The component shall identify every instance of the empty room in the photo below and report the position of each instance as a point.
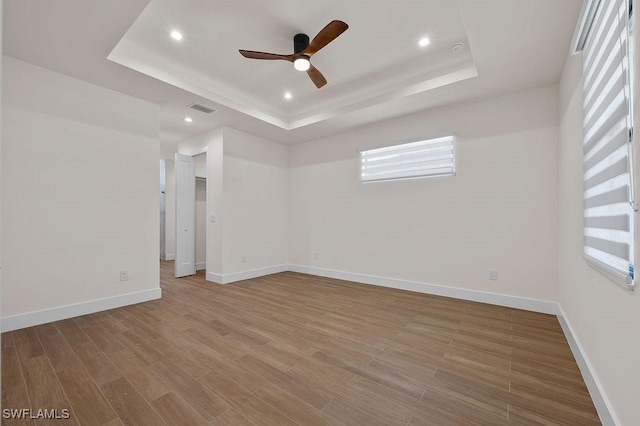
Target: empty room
(356, 212)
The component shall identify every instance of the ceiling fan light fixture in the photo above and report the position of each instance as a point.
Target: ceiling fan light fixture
(303, 50)
(302, 63)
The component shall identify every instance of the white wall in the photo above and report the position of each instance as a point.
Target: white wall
(80, 193)
(605, 318)
(255, 202)
(500, 211)
(247, 194)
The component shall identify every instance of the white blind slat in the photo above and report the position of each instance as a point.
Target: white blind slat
(619, 195)
(619, 167)
(609, 146)
(620, 222)
(411, 158)
(433, 157)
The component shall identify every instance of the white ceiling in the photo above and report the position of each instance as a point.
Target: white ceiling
(375, 70)
(376, 59)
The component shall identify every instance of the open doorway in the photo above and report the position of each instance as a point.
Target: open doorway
(190, 213)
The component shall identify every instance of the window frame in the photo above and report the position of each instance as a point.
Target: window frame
(627, 281)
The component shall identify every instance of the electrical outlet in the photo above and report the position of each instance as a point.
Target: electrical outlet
(316, 256)
(213, 218)
(124, 275)
(244, 258)
(493, 274)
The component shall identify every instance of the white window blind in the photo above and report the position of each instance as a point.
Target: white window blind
(432, 157)
(608, 190)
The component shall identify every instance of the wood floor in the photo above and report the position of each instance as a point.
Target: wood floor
(292, 349)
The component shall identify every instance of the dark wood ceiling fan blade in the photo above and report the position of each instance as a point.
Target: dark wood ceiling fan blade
(326, 36)
(317, 77)
(262, 55)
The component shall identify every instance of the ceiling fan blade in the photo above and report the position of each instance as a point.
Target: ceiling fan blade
(326, 36)
(262, 55)
(316, 76)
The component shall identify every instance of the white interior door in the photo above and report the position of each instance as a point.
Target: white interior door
(185, 215)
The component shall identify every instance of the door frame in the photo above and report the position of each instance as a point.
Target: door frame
(195, 153)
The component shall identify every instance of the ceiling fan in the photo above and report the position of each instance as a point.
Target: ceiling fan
(303, 51)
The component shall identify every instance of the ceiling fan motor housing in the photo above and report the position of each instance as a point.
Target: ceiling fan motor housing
(300, 42)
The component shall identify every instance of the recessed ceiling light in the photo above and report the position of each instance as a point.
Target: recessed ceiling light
(188, 119)
(288, 95)
(176, 35)
(424, 42)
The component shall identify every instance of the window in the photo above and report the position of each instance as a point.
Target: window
(609, 205)
(427, 158)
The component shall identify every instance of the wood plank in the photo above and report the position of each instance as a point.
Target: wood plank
(46, 330)
(189, 363)
(110, 323)
(389, 378)
(71, 332)
(87, 401)
(287, 382)
(140, 347)
(350, 415)
(97, 365)
(85, 321)
(59, 352)
(477, 394)
(27, 343)
(104, 340)
(11, 371)
(129, 405)
(139, 375)
(41, 382)
(203, 400)
(14, 392)
(243, 401)
(55, 415)
(6, 340)
(175, 411)
(432, 407)
(292, 407)
(231, 418)
(527, 418)
(216, 362)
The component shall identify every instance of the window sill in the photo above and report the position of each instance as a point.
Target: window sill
(621, 279)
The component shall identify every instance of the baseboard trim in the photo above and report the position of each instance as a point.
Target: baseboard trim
(201, 266)
(246, 275)
(170, 257)
(30, 319)
(214, 278)
(602, 404)
(535, 305)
